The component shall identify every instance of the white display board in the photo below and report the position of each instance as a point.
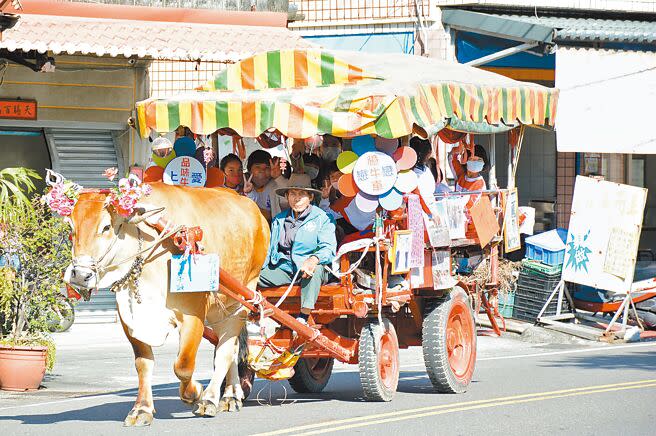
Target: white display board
(604, 233)
(185, 171)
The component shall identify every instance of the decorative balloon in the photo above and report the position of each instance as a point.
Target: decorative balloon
(184, 146)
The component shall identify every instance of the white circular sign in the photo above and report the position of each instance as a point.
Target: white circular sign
(185, 171)
(374, 173)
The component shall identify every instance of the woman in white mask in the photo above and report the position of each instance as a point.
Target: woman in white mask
(467, 167)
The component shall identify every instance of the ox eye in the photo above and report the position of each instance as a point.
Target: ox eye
(107, 228)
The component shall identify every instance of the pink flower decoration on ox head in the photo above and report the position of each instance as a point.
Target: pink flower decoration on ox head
(62, 195)
(111, 173)
(125, 196)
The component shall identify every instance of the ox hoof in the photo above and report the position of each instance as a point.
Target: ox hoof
(197, 392)
(138, 418)
(205, 408)
(230, 404)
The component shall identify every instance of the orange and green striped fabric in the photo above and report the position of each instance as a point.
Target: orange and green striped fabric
(345, 104)
(287, 69)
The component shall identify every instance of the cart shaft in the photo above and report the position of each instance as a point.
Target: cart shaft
(242, 294)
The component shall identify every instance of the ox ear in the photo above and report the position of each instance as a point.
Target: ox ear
(143, 212)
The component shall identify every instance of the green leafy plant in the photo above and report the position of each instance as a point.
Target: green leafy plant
(15, 186)
(34, 252)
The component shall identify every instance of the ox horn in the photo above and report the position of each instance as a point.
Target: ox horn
(142, 213)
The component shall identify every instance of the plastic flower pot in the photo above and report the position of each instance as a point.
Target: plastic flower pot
(22, 368)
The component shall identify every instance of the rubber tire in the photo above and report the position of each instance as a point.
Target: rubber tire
(69, 317)
(434, 344)
(305, 381)
(372, 385)
(62, 320)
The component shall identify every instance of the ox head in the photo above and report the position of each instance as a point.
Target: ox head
(101, 240)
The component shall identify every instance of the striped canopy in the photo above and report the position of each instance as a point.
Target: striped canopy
(302, 93)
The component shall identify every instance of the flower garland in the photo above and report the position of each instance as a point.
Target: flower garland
(129, 190)
(62, 196)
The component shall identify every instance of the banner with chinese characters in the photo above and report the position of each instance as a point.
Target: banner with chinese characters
(18, 109)
(185, 171)
(604, 233)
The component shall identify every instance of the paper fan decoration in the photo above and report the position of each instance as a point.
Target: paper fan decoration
(376, 176)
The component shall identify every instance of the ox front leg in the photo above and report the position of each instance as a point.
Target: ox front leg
(191, 333)
(144, 409)
(225, 360)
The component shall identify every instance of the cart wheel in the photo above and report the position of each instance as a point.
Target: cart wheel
(311, 375)
(449, 342)
(379, 361)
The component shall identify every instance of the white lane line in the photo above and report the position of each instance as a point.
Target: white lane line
(414, 365)
(552, 353)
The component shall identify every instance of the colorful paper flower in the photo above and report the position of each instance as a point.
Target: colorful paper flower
(62, 197)
(125, 196)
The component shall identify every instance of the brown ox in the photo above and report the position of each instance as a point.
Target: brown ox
(233, 227)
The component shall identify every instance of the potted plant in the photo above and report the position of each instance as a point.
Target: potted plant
(33, 253)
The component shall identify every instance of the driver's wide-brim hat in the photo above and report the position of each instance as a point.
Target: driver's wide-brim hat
(301, 182)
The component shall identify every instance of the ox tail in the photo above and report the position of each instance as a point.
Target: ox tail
(242, 357)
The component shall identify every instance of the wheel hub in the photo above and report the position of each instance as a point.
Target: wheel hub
(459, 340)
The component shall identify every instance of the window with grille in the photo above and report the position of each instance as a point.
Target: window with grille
(173, 77)
(338, 10)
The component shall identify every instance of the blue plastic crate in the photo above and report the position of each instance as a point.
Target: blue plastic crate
(547, 247)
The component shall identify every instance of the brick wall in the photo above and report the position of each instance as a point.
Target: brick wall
(565, 177)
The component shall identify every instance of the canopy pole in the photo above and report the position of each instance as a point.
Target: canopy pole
(502, 54)
(493, 161)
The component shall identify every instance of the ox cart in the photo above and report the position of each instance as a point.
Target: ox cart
(299, 94)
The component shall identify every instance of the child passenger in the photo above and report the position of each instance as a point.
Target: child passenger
(234, 172)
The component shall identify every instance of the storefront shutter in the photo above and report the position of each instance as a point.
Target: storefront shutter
(83, 155)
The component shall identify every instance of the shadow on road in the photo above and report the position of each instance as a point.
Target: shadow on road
(642, 361)
(343, 387)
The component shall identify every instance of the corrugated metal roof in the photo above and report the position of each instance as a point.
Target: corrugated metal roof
(146, 39)
(594, 30)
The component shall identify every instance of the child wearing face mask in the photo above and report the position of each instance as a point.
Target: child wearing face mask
(348, 218)
(468, 175)
(234, 172)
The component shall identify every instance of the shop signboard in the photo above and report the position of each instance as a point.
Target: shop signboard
(604, 233)
(185, 171)
(16, 109)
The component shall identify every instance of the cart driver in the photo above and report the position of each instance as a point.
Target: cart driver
(302, 241)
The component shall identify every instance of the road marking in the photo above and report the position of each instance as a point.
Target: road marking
(550, 353)
(414, 365)
(401, 415)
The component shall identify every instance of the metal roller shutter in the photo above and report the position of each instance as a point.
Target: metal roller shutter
(83, 155)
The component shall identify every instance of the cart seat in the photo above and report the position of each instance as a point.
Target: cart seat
(276, 292)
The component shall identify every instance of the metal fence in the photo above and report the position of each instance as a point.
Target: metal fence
(338, 10)
(229, 5)
(174, 77)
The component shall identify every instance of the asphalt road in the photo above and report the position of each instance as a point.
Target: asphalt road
(519, 388)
